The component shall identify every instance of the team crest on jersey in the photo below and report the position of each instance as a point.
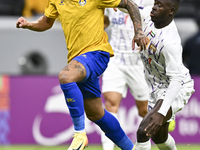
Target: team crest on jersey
(152, 49)
(61, 2)
(82, 2)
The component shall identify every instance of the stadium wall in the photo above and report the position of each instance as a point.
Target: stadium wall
(17, 44)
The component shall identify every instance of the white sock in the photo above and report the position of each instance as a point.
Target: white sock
(81, 131)
(143, 146)
(106, 142)
(168, 145)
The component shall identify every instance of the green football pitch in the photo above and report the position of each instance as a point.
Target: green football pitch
(90, 147)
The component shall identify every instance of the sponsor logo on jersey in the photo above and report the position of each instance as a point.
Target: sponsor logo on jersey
(61, 2)
(118, 21)
(126, 17)
(82, 2)
(123, 20)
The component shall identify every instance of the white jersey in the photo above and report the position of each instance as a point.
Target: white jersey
(122, 33)
(163, 57)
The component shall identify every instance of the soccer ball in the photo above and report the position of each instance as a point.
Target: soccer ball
(123, 10)
(172, 126)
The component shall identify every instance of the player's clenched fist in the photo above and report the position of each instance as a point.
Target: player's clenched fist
(22, 23)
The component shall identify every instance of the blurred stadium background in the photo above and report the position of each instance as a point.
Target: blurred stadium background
(32, 109)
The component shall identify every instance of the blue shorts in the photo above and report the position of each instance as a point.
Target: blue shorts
(95, 63)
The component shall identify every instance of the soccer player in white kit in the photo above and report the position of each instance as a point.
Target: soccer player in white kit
(125, 69)
(169, 81)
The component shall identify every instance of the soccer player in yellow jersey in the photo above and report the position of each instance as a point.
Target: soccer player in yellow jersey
(88, 55)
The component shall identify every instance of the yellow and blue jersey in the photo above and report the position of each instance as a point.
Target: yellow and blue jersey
(83, 24)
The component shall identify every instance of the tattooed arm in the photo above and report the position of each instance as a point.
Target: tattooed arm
(134, 13)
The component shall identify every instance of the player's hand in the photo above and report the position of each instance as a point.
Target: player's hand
(22, 23)
(140, 40)
(156, 121)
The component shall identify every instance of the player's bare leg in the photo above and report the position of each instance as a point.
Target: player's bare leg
(142, 107)
(143, 142)
(107, 122)
(112, 103)
(72, 73)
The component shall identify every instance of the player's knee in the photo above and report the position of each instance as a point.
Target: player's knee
(93, 117)
(64, 78)
(158, 139)
(90, 117)
(109, 99)
(141, 135)
(142, 108)
(111, 107)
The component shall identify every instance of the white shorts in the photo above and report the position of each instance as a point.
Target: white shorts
(118, 78)
(180, 101)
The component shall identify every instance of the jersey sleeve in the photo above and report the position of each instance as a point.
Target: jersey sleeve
(50, 10)
(108, 3)
(170, 96)
(173, 61)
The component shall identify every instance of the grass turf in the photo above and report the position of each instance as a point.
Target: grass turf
(90, 147)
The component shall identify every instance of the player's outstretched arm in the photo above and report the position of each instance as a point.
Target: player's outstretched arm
(134, 13)
(41, 24)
